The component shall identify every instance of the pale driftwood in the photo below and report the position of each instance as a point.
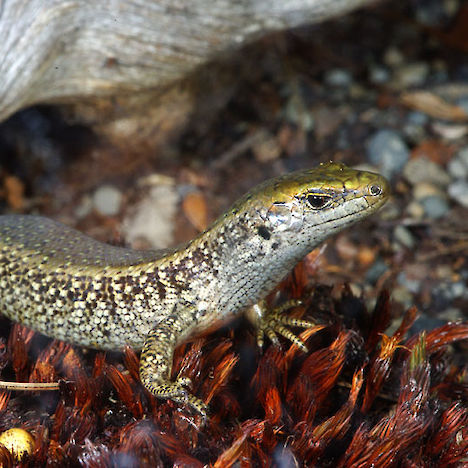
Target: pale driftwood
(67, 50)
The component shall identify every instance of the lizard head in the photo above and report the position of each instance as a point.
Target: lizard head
(310, 205)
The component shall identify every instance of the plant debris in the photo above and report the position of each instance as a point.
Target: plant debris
(359, 397)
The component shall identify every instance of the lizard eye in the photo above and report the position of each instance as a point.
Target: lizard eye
(318, 201)
(375, 190)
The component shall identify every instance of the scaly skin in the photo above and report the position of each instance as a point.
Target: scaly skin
(71, 287)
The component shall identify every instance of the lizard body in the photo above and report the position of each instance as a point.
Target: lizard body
(66, 285)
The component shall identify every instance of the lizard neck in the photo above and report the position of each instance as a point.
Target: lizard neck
(241, 261)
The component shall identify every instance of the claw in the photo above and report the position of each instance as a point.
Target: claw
(274, 323)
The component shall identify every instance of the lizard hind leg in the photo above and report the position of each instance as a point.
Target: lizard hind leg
(156, 364)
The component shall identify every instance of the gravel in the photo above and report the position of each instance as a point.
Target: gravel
(458, 165)
(458, 192)
(411, 74)
(378, 268)
(424, 170)
(153, 218)
(107, 200)
(412, 285)
(404, 236)
(387, 150)
(338, 78)
(379, 75)
(425, 189)
(435, 207)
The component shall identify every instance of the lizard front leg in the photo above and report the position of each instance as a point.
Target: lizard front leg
(270, 323)
(156, 364)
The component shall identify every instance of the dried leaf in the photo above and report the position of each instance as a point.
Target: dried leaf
(433, 105)
(194, 207)
(14, 188)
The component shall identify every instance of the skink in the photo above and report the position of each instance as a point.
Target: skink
(68, 286)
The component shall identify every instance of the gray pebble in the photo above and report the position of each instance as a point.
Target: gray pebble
(463, 103)
(85, 207)
(393, 57)
(451, 314)
(412, 285)
(435, 207)
(458, 191)
(457, 169)
(338, 78)
(415, 210)
(424, 170)
(401, 295)
(411, 74)
(378, 268)
(462, 155)
(458, 165)
(417, 118)
(387, 150)
(425, 189)
(448, 292)
(404, 236)
(297, 112)
(107, 200)
(379, 75)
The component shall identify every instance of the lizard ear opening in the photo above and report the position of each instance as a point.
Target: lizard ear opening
(284, 217)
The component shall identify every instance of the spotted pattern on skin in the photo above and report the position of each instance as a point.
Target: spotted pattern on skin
(66, 285)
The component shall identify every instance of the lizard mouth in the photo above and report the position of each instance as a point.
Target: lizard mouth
(373, 203)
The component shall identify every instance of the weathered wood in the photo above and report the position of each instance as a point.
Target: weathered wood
(69, 50)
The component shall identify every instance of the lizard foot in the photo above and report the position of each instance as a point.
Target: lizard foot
(177, 391)
(275, 322)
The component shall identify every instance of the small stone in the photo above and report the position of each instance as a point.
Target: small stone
(443, 271)
(404, 236)
(297, 112)
(425, 189)
(458, 192)
(451, 314)
(459, 289)
(107, 200)
(424, 170)
(411, 74)
(414, 133)
(393, 57)
(267, 149)
(458, 165)
(457, 169)
(401, 295)
(387, 150)
(462, 155)
(379, 75)
(463, 103)
(84, 208)
(433, 13)
(376, 271)
(435, 207)
(153, 219)
(447, 292)
(338, 78)
(411, 284)
(417, 118)
(415, 210)
(327, 122)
